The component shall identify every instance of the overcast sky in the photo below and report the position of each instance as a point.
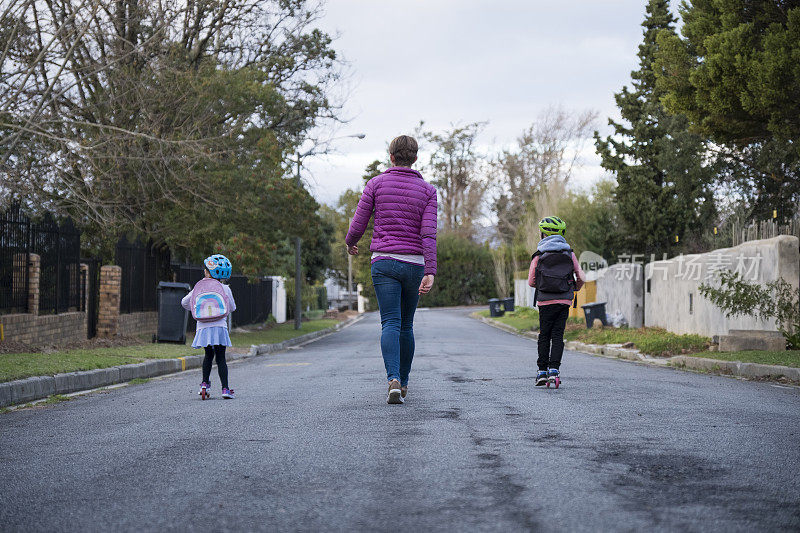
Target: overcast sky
(458, 61)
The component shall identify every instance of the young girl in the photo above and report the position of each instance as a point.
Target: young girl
(212, 333)
(556, 275)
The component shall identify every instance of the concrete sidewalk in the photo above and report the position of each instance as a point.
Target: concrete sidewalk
(36, 388)
(702, 364)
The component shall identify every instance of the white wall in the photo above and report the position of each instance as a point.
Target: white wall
(622, 288)
(279, 299)
(674, 303)
(363, 301)
(523, 295)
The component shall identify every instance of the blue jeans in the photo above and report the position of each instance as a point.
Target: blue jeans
(397, 288)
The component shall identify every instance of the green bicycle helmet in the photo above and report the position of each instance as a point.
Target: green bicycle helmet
(552, 226)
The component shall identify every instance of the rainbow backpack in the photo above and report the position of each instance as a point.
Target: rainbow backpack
(209, 301)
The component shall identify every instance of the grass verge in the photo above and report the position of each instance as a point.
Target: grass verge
(786, 358)
(24, 365)
(524, 318)
(280, 333)
(653, 341)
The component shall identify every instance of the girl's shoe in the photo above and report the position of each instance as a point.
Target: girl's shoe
(541, 378)
(227, 394)
(403, 391)
(553, 377)
(204, 387)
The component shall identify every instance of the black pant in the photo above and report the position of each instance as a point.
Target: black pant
(552, 321)
(222, 366)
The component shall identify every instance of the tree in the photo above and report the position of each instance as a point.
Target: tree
(735, 74)
(172, 120)
(593, 220)
(455, 166)
(339, 217)
(663, 179)
(534, 176)
(503, 282)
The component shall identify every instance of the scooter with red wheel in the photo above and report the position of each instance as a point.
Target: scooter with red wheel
(205, 391)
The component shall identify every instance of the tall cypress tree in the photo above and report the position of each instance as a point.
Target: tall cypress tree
(663, 181)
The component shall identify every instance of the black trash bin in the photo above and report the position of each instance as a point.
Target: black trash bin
(595, 310)
(508, 304)
(172, 317)
(494, 307)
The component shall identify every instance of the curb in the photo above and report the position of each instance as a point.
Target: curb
(35, 388)
(262, 349)
(736, 368)
(704, 364)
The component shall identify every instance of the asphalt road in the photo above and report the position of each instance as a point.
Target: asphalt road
(310, 444)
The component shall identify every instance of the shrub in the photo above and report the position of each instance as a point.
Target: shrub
(777, 299)
(465, 273)
(314, 297)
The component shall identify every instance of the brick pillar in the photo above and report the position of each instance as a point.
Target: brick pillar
(108, 316)
(34, 271)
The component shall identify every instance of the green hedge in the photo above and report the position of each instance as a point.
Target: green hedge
(465, 274)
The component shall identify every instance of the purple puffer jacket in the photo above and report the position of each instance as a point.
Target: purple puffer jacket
(405, 215)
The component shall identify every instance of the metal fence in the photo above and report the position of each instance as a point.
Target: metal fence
(58, 246)
(765, 230)
(59, 249)
(253, 300)
(143, 266)
(92, 288)
(15, 241)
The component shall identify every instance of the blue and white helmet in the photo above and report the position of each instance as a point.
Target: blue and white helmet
(219, 266)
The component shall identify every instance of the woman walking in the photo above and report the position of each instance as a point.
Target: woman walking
(403, 254)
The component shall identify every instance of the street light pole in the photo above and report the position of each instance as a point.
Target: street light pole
(298, 271)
